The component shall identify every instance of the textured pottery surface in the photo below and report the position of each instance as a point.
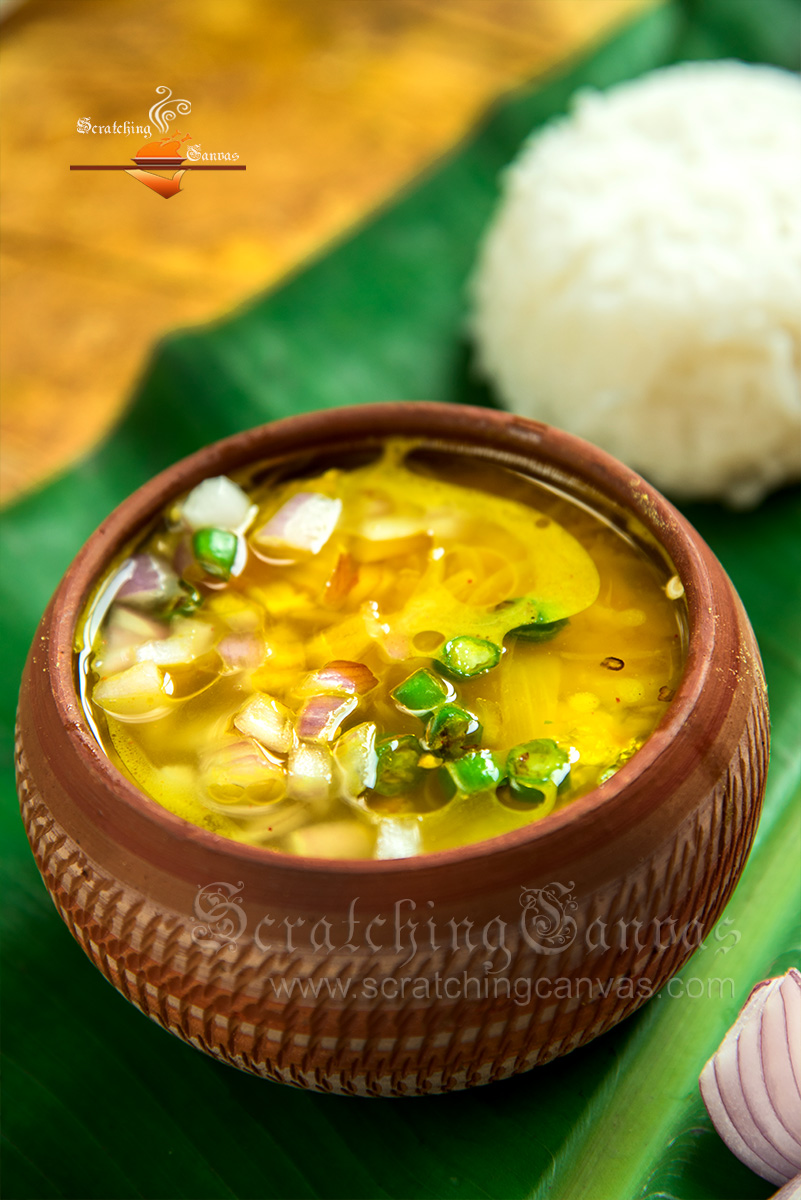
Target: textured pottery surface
(271, 963)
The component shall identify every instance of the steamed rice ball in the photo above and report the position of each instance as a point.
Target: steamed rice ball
(640, 284)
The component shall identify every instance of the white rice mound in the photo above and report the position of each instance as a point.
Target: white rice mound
(640, 284)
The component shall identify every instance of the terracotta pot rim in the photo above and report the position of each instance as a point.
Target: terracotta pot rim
(465, 427)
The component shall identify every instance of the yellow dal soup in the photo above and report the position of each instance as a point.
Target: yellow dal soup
(381, 660)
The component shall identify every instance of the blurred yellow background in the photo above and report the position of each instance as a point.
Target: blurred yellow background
(331, 104)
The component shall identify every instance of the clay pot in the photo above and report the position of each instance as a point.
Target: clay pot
(294, 968)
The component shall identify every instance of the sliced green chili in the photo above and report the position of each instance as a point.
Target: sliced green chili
(536, 770)
(190, 600)
(451, 730)
(215, 550)
(421, 693)
(466, 656)
(476, 771)
(537, 632)
(397, 766)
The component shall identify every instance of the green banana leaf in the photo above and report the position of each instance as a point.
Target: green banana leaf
(101, 1103)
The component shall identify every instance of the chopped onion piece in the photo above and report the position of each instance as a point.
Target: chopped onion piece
(133, 695)
(240, 777)
(321, 717)
(344, 576)
(125, 632)
(445, 521)
(339, 678)
(268, 721)
(356, 760)
(125, 624)
(398, 837)
(183, 560)
(391, 528)
(242, 651)
(244, 620)
(189, 640)
(218, 503)
(751, 1085)
(388, 537)
(332, 839)
(152, 584)
(169, 652)
(304, 523)
(310, 773)
(276, 820)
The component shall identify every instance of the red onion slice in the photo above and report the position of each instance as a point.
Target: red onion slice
(303, 524)
(321, 717)
(750, 1086)
(151, 584)
(782, 1075)
(770, 1139)
(791, 985)
(339, 678)
(790, 1191)
(242, 651)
